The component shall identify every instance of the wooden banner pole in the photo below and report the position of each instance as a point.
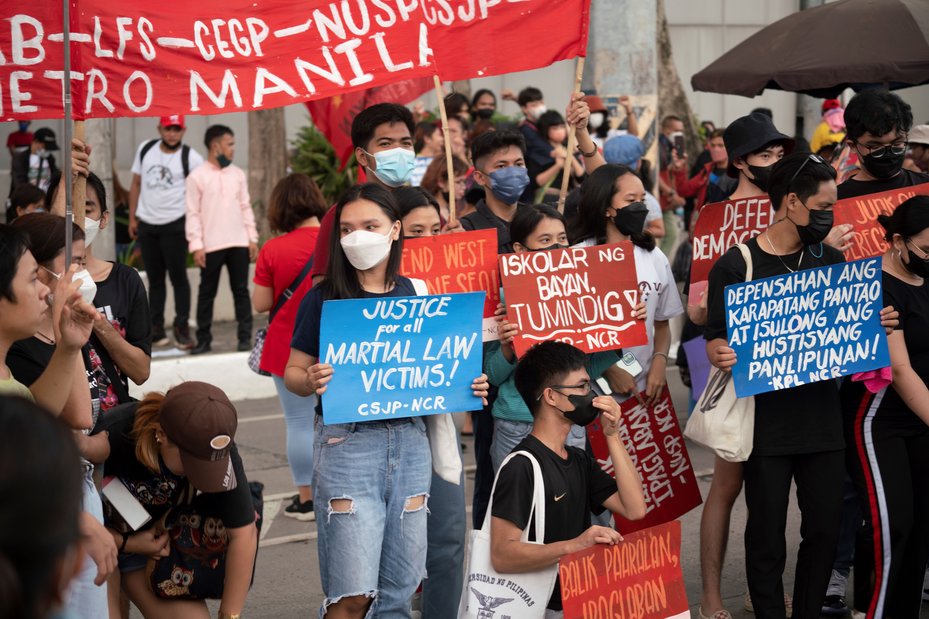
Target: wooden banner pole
(450, 174)
(572, 141)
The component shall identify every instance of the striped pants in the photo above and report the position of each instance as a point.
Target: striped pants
(888, 458)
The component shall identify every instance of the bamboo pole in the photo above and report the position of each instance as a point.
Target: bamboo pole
(572, 141)
(450, 173)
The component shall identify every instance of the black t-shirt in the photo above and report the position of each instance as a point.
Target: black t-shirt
(484, 219)
(913, 304)
(159, 492)
(306, 328)
(798, 420)
(121, 298)
(574, 488)
(28, 358)
(907, 178)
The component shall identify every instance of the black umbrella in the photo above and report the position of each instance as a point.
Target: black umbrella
(826, 49)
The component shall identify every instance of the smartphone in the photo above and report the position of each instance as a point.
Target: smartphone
(677, 138)
(629, 363)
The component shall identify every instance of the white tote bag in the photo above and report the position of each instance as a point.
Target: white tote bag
(485, 590)
(721, 421)
(443, 436)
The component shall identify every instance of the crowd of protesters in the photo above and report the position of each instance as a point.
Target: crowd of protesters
(73, 336)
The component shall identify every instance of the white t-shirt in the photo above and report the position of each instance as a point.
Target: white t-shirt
(40, 172)
(654, 208)
(161, 199)
(663, 301)
(421, 164)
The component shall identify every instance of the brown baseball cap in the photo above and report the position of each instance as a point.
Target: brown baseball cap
(201, 421)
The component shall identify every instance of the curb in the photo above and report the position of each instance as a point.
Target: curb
(228, 371)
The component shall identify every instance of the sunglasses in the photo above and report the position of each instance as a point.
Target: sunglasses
(811, 157)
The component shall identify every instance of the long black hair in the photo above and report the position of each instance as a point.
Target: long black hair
(528, 218)
(341, 276)
(596, 197)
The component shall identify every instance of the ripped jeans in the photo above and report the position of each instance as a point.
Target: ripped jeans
(370, 487)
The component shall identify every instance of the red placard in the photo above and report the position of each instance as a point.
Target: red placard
(219, 56)
(639, 578)
(720, 226)
(461, 262)
(580, 295)
(653, 439)
(862, 212)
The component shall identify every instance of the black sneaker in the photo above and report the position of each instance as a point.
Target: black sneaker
(202, 347)
(301, 511)
(159, 337)
(182, 337)
(834, 605)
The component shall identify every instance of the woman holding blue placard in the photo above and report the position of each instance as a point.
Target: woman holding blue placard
(372, 478)
(887, 431)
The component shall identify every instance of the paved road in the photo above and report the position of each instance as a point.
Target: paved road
(287, 578)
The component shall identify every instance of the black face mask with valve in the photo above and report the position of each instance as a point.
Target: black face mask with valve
(584, 411)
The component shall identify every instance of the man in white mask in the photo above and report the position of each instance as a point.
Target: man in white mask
(538, 150)
(36, 164)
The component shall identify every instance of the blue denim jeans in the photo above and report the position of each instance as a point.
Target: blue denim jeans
(299, 415)
(447, 529)
(376, 547)
(508, 434)
(84, 599)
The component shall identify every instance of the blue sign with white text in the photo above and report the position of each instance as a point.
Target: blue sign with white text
(396, 357)
(808, 326)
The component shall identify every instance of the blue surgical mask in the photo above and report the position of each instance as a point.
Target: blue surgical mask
(394, 166)
(507, 184)
(24, 126)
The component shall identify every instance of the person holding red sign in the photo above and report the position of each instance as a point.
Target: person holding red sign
(612, 209)
(887, 431)
(373, 478)
(552, 380)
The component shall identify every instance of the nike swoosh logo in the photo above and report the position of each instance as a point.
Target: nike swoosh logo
(558, 498)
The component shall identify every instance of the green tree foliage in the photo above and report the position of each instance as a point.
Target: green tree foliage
(314, 156)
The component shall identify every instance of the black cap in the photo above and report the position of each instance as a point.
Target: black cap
(749, 134)
(47, 137)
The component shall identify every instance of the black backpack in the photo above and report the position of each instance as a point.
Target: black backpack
(185, 155)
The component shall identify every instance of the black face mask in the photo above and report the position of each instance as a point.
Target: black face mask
(917, 266)
(584, 411)
(484, 113)
(168, 147)
(818, 227)
(762, 177)
(886, 167)
(551, 247)
(631, 219)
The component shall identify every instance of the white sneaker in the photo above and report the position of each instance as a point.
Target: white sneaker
(857, 614)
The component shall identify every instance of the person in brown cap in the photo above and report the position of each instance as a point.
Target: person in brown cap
(160, 448)
(599, 125)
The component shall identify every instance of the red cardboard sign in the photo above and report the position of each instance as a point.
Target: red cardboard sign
(653, 439)
(220, 56)
(862, 212)
(720, 226)
(638, 578)
(580, 295)
(461, 262)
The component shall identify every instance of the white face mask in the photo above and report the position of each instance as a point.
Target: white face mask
(596, 120)
(88, 287)
(536, 112)
(365, 249)
(91, 228)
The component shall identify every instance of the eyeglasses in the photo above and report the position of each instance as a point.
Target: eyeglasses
(585, 386)
(897, 148)
(811, 157)
(920, 252)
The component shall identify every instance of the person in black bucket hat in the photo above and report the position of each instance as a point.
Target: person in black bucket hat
(754, 145)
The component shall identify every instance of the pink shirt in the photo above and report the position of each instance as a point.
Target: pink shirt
(219, 210)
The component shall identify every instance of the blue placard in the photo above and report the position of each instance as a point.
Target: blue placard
(398, 357)
(807, 326)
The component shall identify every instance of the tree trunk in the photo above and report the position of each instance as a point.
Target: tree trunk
(267, 161)
(462, 86)
(100, 138)
(672, 99)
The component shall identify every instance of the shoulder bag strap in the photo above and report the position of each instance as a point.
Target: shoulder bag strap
(122, 393)
(185, 160)
(289, 291)
(747, 256)
(538, 499)
(148, 146)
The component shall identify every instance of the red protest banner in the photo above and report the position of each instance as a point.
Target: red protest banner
(862, 212)
(720, 226)
(581, 295)
(461, 262)
(215, 56)
(653, 439)
(638, 578)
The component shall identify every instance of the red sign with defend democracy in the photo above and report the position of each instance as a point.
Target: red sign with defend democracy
(461, 262)
(653, 439)
(638, 578)
(581, 295)
(216, 56)
(862, 212)
(720, 226)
